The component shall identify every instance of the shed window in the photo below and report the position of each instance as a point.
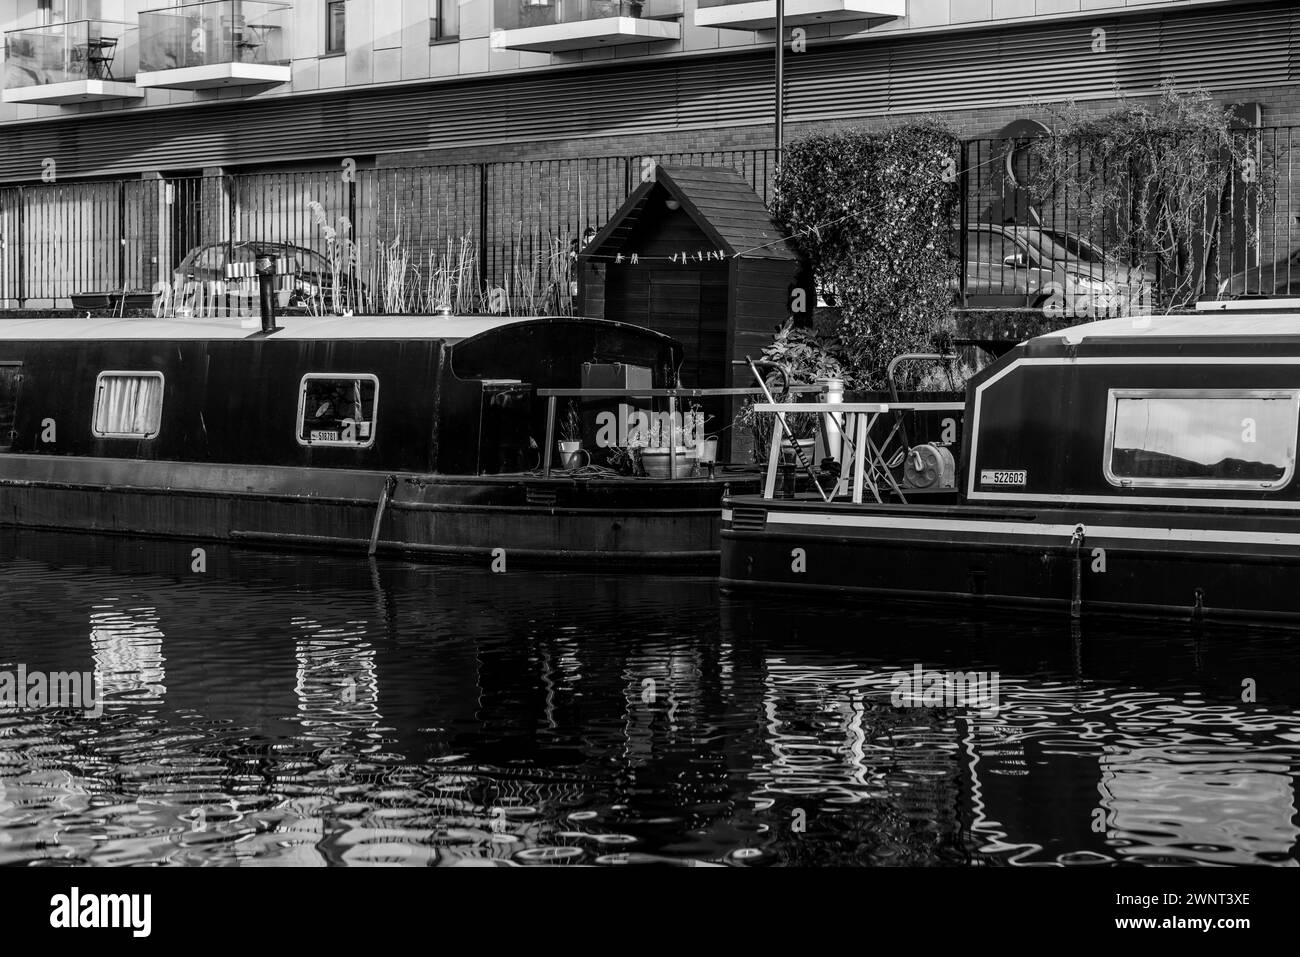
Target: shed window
(339, 410)
(128, 405)
(1201, 438)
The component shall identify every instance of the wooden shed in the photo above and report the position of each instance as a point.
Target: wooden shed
(694, 254)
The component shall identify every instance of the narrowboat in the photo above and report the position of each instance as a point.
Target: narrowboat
(416, 435)
(1133, 465)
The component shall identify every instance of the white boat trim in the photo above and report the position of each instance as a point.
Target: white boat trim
(1037, 529)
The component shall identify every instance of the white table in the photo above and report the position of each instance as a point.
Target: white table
(869, 466)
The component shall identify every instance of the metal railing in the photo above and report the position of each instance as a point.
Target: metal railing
(1067, 253)
(514, 226)
(521, 221)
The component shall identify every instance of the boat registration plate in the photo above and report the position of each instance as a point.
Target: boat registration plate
(1003, 477)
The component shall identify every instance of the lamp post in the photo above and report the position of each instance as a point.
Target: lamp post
(780, 76)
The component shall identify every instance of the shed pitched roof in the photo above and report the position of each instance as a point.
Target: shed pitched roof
(719, 200)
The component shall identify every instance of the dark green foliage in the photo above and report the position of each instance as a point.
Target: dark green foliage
(872, 212)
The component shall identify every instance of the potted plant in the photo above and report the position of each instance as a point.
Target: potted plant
(803, 428)
(811, 360)
(693, 427)
(661, 448)
(570, 443)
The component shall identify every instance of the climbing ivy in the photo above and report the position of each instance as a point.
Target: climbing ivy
(1158, 178)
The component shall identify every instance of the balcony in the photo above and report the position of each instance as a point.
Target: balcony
(761, 14)
(559, 25)
(68, 63)
(219, 43)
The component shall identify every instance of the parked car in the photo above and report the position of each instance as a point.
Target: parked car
(1279, 278)
(1039, 268)
(202, 284)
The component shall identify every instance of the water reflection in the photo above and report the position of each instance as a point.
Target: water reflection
(318, 711)
(126, 644)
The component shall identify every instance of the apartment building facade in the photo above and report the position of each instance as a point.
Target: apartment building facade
(124, 90)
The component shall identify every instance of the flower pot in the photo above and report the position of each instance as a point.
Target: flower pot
(655, 463)
(707, 453)
(572, 455)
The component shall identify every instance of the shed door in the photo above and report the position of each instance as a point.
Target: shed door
(691, 306)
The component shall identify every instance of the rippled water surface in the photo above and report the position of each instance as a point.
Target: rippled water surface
(307, 710)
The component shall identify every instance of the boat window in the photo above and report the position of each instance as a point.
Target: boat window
(337, 409)
(128, 405)
(1201, 438)
(11, 375)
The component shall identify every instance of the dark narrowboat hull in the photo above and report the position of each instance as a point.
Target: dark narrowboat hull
(1181, 563)
(531, 519)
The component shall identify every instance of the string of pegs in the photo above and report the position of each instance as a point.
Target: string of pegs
(681, 258)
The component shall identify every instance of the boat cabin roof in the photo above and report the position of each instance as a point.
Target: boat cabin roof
(447, 328)
(1262, 326)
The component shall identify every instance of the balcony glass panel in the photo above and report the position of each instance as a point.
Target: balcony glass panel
(522, 14)
(761, 14)
(68, 52)
(213, 33)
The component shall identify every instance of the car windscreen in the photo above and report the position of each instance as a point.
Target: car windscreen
(984, 247)
(1074, 247)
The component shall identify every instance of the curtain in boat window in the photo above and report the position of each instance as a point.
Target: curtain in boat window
(128, 405)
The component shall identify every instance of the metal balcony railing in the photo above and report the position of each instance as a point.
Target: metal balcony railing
(215, 32)
(67, 52)
(521, 14)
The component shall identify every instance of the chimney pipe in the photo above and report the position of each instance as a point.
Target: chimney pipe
(264, 266)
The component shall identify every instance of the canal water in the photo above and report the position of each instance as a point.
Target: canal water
(270, 708)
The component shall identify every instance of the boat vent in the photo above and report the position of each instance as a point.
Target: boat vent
(747, 519)
(535, 495)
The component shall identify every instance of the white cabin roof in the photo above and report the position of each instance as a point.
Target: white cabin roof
(328, 327)
(1219, 325)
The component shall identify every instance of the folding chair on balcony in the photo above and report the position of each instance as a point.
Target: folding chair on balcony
(243, 44)
(100, 52)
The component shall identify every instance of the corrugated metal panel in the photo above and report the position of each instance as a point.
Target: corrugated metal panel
(1232, 50)
(1221, 47)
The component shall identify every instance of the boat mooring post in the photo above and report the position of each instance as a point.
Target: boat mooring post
(264, 266)
(390, 484)
(1076, 598)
